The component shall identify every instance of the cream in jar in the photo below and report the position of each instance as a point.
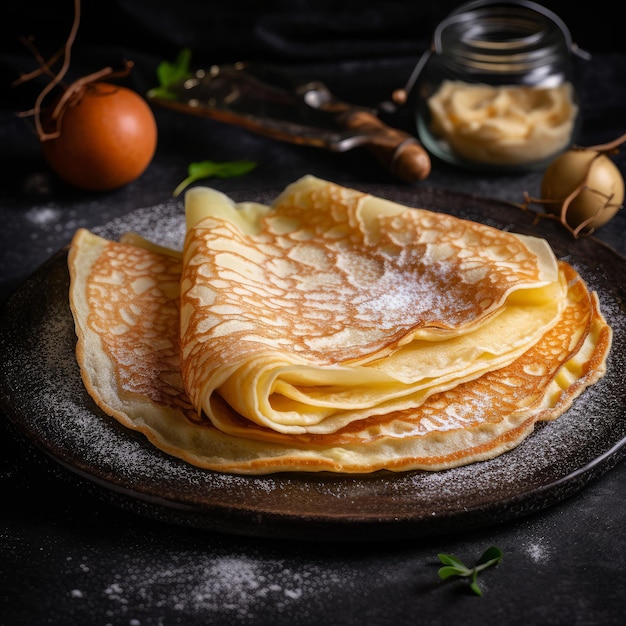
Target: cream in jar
(508, 124)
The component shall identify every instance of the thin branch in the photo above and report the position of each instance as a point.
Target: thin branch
(45, 67)
(610, 146)
(59, 77)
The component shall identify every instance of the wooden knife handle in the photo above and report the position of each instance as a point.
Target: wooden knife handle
(399, 152)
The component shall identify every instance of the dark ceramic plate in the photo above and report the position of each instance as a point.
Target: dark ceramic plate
(43, 396)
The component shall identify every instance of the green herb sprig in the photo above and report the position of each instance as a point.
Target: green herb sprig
(454, 567)
(207, 169)
(171, 74)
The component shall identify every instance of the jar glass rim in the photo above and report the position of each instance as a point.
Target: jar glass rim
(501, 27)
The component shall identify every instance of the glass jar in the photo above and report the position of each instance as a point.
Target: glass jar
(497, 89)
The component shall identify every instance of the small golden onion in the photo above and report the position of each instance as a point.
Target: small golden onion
(583, 186)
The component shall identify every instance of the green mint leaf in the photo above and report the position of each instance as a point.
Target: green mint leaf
(234, 168)
(449, 559)
(203, 169)
(171, 74)
(490, 554)
(474, 585)
(207, 169)
(447, 571)
(454, 567)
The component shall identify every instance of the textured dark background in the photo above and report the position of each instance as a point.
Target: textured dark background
(280, 31)
(287, 30)
(68, 555)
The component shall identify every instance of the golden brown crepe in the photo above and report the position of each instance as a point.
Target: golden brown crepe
(332, 331)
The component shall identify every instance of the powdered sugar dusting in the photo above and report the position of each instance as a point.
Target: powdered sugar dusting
(163, 224)
(43, 215)
(538, 551)
(237, 586)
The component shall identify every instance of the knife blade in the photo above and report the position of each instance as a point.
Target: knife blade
(308, 115)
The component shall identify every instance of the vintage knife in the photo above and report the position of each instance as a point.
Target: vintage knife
(309, 115)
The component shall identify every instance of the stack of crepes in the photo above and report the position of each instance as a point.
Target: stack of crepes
(332, 331)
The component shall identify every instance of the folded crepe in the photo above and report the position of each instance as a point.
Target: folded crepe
(332, 330)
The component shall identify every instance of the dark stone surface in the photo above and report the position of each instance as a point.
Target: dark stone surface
(70, 556)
